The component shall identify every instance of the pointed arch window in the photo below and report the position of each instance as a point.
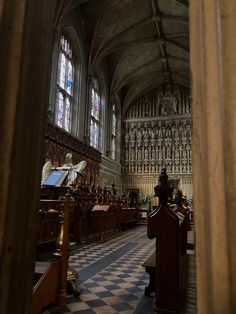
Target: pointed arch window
(65, 84)
(113, 132)
(95, 100)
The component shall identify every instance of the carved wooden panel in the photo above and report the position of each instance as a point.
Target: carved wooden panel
(58, 143)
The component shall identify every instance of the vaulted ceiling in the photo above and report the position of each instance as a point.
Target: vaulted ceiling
(145, 43)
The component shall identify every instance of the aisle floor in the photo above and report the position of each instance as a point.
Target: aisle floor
(112, 280)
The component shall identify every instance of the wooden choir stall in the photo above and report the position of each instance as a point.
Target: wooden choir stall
(169, 225)
(71, 212)
(51, 267)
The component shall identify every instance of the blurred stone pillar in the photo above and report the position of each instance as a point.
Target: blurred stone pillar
(25, 55)
(213, 63)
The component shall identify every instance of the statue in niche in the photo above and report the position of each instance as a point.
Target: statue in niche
(126, 137)
(146, 154)
(176, 138)
(146, 137)
(188, 131)
(139, 138)
(127, 153)
(190, 166)
(139, 154)
(132, 154)
(184, 154)
(132, 137)
(153, 135)
(159, 142)
(159, 133)
(168, 133)
(176, 165)
(160, 154)
(168, 153)
(145, 166)
(184, 166)
(153, 153)
(176, 133)
(168, 105)
(163, 132)
(176, 141)
(139, 167)
(168, 141)
(190, 152)
(169, 166)
(133, 167)
(153, 167)
(177, 153)
(184, 142)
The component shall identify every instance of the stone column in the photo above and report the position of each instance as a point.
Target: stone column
(25, 55)
(213, 62)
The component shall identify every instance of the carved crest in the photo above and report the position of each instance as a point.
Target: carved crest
(168, 105)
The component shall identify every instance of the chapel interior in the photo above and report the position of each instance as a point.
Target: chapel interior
(118, 156)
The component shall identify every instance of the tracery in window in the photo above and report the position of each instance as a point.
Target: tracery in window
(65, 83)
(95, 101)
(113, 132)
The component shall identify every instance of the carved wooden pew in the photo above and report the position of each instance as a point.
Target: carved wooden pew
(129, 217)
(150, 262)
(51, 276)
(171, 265)
(95, 225)
(183, 214)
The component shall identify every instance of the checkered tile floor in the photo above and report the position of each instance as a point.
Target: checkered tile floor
(112, 279)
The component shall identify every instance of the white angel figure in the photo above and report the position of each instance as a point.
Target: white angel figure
(73, 170)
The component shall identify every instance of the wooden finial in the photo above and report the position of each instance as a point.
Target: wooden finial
(163, 190)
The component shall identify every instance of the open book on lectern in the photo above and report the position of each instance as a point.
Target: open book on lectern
(56, 178)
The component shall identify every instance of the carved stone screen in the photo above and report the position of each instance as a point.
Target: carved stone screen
(158, 130)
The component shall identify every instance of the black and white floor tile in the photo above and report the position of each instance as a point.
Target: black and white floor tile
(112, 280)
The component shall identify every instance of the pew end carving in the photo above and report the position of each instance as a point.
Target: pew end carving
(171, 260)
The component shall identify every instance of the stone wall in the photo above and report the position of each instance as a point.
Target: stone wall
(110, 172)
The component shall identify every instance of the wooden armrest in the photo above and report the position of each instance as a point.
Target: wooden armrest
(150, 261)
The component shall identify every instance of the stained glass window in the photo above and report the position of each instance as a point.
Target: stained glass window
(113, 132)
(65, 82)
(94, 131)
(113, 120)
(95, 101)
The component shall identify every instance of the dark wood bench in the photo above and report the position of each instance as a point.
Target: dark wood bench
(150, 267)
